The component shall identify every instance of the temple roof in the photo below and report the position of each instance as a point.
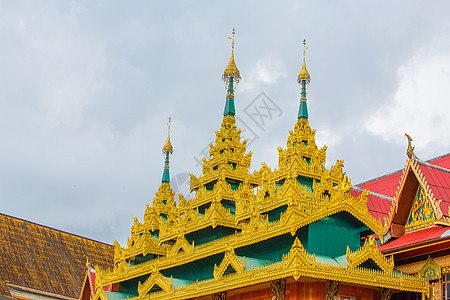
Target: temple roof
(378, 205)
(418, 237)
(46, 259)
(387, 184)
(4, 291)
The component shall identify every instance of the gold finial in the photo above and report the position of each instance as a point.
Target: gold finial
(231, 70)
(304, 75)
(232, 41)
(304, 48)
(410, 149)
(168, 146)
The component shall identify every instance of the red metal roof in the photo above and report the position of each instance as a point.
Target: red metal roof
(439, 183)
(378, 207)
(441, 161)
(416, 237)
(387, 184)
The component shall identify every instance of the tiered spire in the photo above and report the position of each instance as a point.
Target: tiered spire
(230, 75)
(303, 79)
(167, 150)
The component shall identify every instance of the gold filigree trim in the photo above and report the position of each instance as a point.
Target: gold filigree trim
(155, 278)
(230, 259)
(430, 270)
(369, 251)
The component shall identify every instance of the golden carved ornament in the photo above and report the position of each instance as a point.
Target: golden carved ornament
(230, 259)
(369, 251)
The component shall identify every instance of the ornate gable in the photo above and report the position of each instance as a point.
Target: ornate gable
(415, 205)
(430, 270)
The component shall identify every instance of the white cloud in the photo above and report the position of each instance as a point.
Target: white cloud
(267, 70)
(421, 104)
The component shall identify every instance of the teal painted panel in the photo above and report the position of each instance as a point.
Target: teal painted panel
(330, 236)
(130, 286)
(273, 249)
(208, 234)
(306, 181)
(201, 269)
(141, 258)
(229, 205)
(274, 215)
(303, 111)
(117, 296)
(233, 183)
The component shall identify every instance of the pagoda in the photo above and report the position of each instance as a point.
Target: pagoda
(295, 232)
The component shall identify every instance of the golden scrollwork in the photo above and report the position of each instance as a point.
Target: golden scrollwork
(230, 259)
(156, 278)
(369, 251)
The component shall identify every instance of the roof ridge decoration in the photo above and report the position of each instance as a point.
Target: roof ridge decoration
(180, 244)
(430, 270)
(358, 189)
(296, 216)
(427, 164)
(410, 149)
(156, 278)
(369, 251)
(230, 259)
(298, 256)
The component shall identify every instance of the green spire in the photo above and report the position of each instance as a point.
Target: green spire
(167, 150)
(230, 75)
(303, 79)
(229, 104)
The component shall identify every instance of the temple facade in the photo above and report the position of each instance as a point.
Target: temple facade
(416, 231)
(300, 231)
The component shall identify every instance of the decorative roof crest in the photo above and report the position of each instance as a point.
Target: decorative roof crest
(231, 70)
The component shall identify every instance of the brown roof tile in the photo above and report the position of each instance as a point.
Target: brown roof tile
(47, 259)
(4, 291)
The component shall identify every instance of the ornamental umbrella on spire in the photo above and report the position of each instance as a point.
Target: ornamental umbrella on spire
(303, 79)
(230, 74)
(167, 150)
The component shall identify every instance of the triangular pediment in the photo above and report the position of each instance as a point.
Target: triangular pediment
(430, 270)
(415, 206)
(421, 213)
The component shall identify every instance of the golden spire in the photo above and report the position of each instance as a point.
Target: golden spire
(304, 75)
(231, 70)
(168, 146)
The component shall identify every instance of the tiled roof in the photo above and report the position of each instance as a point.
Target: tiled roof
(46, 259)
(387, 184)
(378, 205)
(439, 183)
(413, 238)
(4, 291)
(441, 161)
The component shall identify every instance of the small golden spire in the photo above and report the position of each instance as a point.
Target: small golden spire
(168, 146)
(231, 70)
(304, 75)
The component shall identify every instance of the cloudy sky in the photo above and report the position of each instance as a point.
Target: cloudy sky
(86, 88)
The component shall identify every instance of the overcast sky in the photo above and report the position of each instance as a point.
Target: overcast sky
(86, 88)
